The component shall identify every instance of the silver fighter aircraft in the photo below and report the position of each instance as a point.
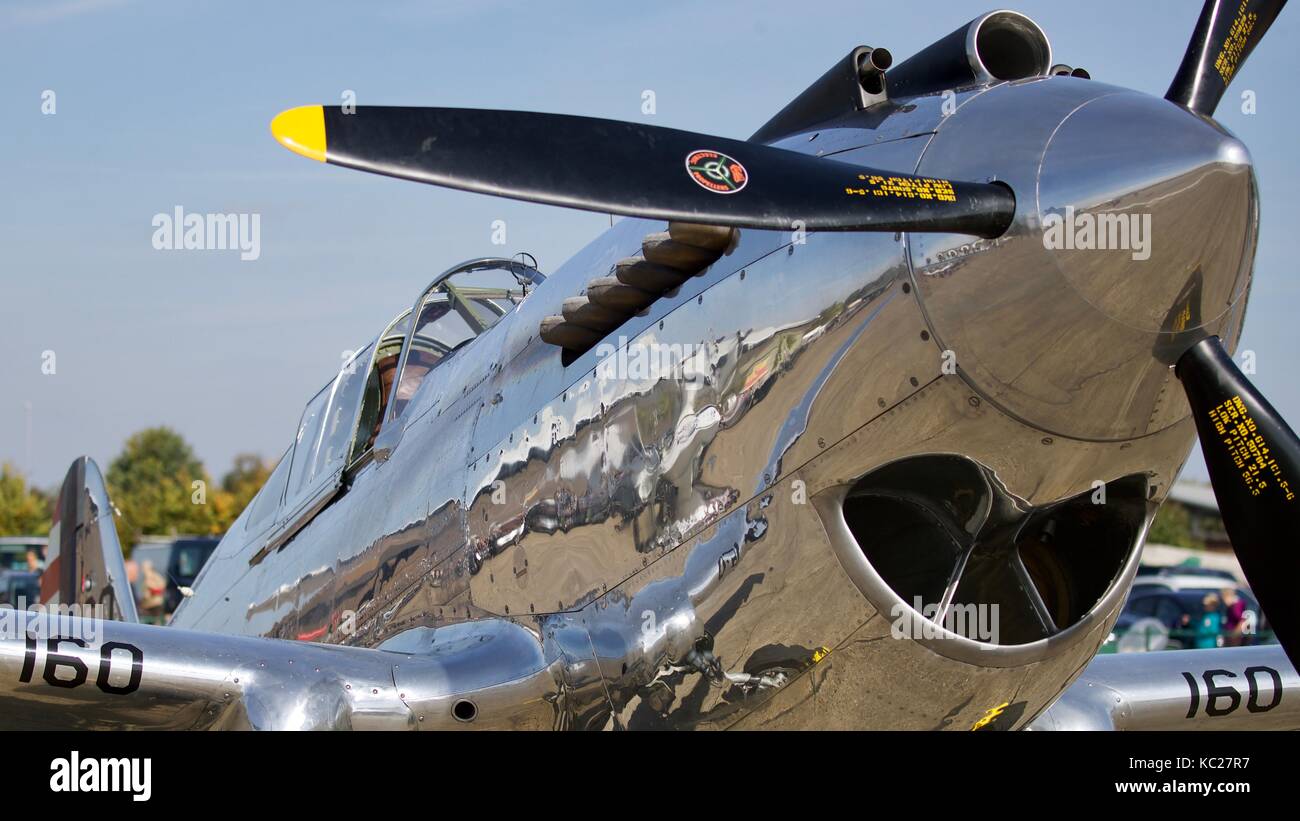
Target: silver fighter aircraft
(859, 423)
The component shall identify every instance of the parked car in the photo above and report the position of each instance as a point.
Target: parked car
(1176, 607)
(20, 586)
(1187, 572)
(14, 549)
(178, 560)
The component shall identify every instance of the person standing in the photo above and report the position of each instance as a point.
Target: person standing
(1210, 623)
(153, 587)
(1234, 618)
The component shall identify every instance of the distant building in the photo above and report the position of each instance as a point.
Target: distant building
(1197, 498)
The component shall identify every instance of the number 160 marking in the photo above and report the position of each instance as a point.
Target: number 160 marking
(1214, 693)
(54, 660)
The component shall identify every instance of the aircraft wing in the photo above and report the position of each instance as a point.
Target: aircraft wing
(69, 673)
(1230, 688)
(63, 672)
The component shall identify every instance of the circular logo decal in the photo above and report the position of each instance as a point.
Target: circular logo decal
(716, 172)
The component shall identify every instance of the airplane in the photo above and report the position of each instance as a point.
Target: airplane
(858, 423)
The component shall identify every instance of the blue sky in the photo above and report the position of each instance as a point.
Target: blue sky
(168, 103)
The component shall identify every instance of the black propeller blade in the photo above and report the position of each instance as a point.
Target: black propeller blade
(1225, 35)
(1254, 462)
(638, 170)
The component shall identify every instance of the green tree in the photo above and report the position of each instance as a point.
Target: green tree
(24, 511)
(239, 486)
(153, 482)
(1173, 526)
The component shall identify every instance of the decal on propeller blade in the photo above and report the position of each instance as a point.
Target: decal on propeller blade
(921, 188)
(1250, 452)
(1235, 44)
(716, 172)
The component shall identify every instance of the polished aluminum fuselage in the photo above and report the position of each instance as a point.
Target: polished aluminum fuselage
(668, 534)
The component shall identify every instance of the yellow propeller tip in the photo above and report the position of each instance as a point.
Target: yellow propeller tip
(302, 131)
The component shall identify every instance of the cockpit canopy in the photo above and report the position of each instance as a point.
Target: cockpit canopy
(453, 310)
(339, 427)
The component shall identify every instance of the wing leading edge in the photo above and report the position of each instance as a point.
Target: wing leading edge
(64, 672)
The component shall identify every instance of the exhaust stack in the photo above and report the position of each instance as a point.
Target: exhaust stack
(994, 47)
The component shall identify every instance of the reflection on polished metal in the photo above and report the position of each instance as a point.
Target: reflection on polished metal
(1025, 319)
(703, 529)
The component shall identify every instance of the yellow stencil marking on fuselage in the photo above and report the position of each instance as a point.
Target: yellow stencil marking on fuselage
(990, 715)
(1184, 316)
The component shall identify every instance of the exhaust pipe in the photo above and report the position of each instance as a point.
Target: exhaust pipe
(853, 83)
(994, 47)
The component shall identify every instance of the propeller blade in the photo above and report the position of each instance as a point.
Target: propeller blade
(638, 170)
(1225, 35)
(1254, 462)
